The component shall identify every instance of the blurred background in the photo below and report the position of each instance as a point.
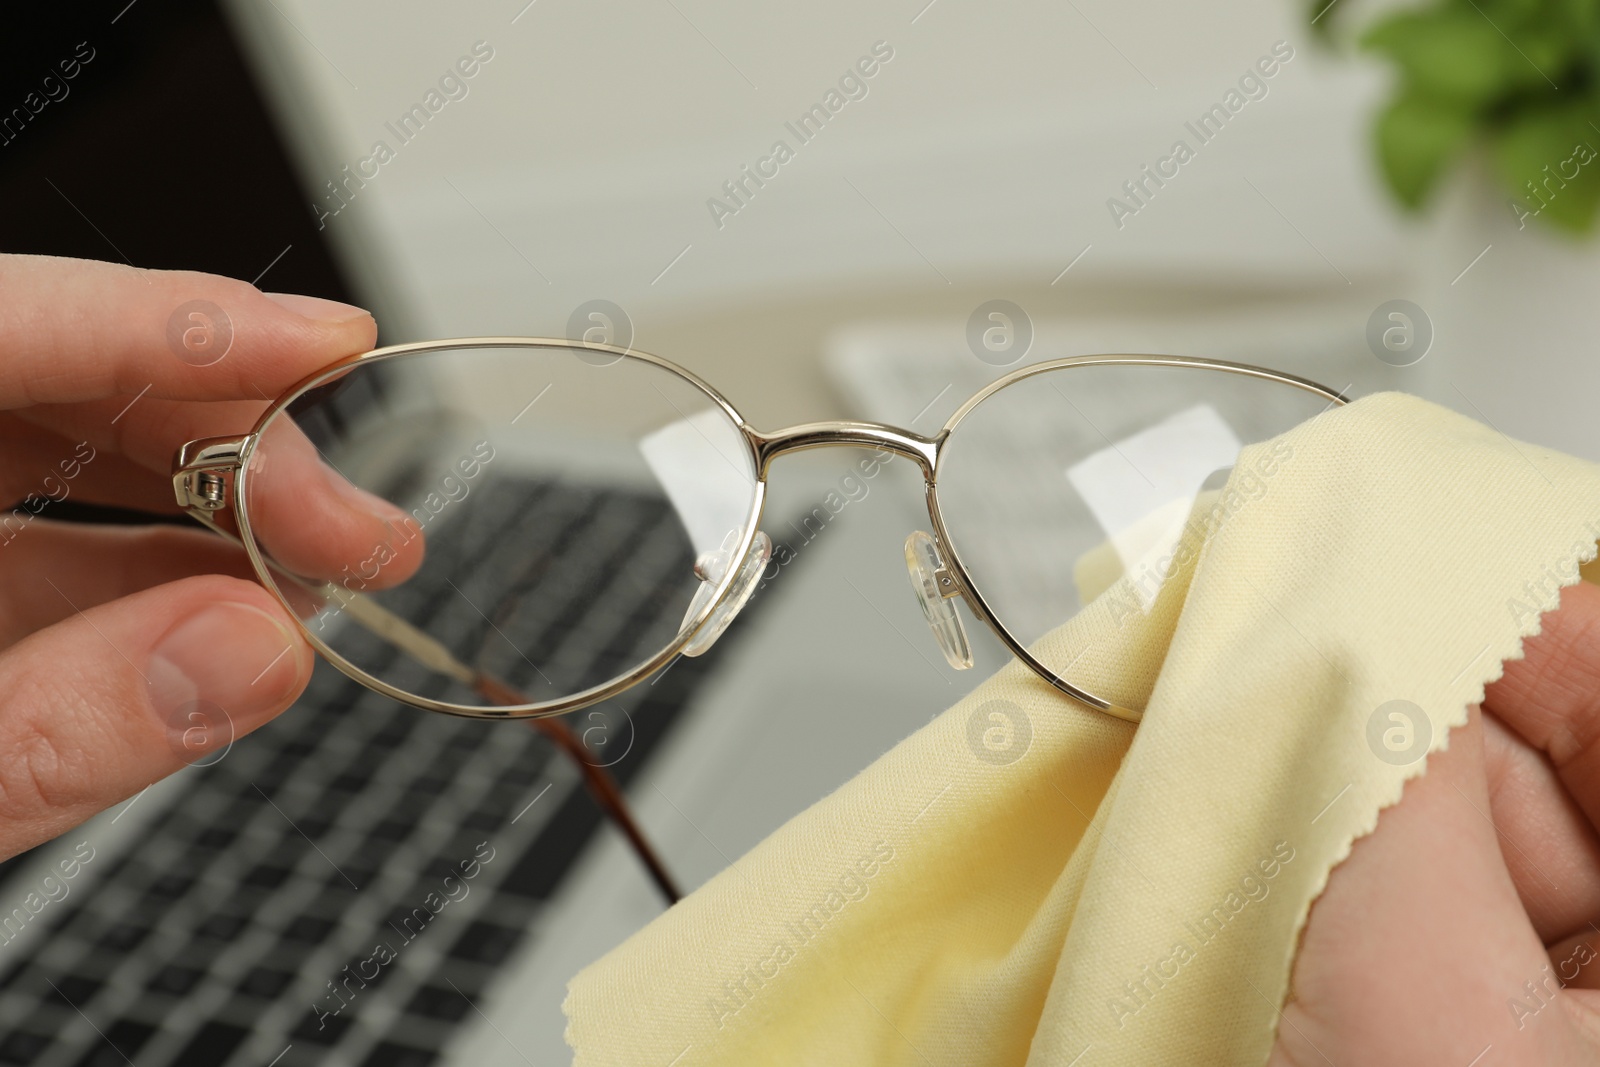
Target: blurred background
(1374, 197)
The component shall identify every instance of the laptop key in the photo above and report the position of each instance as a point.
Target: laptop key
(211, 1044)
(124, 937)
(176, 980)
(308, 929)
(437, 1002)
(265, 983)
(23, 1046)
(76, 989)
(390, 1054)
(222, 926)
(485, 942)
(122, 1041)
(322, 1029)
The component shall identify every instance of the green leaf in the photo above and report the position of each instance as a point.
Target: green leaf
(1561, 16)
(1418, 137)
(1543, 57)
(1558, 151)
(1513, 13)
(1451, 55)
(1583, 16)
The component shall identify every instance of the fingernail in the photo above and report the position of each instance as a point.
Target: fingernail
(314, 307)
(234, 656)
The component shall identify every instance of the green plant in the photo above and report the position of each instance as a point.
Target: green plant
(1519, 79)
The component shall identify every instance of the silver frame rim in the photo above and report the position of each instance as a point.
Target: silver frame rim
(538, 709)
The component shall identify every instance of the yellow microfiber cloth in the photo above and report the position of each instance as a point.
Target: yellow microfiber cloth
(1025, 879)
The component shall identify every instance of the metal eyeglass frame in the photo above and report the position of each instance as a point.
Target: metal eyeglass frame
(203, 470)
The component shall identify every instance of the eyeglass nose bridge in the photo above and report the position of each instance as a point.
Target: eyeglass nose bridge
(845, 434)
(933, 579)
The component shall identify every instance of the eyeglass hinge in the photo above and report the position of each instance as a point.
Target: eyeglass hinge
(201, 469)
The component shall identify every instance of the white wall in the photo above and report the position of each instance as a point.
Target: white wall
(988, 146)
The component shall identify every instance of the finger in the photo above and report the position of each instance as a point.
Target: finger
(43, 466)
(79, 330)
(150, 431)
(100, 705)
(305, 514)
(1551, 850)
(313, 521)
(50, 570)
(1551, 697)
(1412, 951)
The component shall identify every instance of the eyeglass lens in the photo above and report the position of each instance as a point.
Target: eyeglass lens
(1101, 483)
(545, 514)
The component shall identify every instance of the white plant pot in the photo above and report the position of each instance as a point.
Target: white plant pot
(1516, 333)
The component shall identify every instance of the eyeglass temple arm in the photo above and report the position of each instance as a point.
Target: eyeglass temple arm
(602, 786)
(388, 626)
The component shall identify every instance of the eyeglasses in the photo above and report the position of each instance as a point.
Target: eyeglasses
(519, 527)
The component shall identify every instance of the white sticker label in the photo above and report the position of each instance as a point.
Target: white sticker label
(703, 466)
(1142, 488)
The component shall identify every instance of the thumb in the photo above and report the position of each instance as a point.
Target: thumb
(98, 706)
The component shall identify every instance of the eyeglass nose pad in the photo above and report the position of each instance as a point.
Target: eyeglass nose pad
(709, 568)
(934, 585)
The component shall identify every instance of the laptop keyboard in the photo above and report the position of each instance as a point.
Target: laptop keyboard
(344, 885)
